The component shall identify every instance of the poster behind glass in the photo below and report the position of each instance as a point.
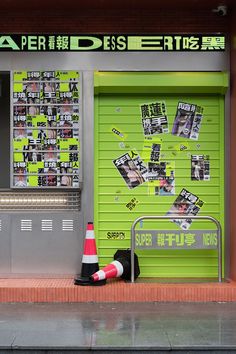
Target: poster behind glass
(46, 142)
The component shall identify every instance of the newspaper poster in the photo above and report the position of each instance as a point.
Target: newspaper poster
(200, 168)
(164, 185)
(154, 118)
(32, 151)
(132, 169)
(185, 204)
(197, 120)
(187, 121)
(156, 171)
(167, 183)
(151, 149)
(48, 176)
(20, 179)
(20, 130)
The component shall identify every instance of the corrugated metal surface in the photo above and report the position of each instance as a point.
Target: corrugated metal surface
(35, 200)
(114, 219)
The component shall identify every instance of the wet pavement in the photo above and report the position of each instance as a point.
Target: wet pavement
(125, 327)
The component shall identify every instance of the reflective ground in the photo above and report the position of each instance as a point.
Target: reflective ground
(124, 327)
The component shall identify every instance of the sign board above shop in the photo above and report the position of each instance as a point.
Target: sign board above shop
(111, 42)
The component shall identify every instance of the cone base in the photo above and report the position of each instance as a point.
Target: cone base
(86, 281)
(88, 269)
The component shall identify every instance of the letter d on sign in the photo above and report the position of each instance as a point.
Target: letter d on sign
(84, 43)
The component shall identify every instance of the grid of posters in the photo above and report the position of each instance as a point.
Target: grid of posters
(46, 129)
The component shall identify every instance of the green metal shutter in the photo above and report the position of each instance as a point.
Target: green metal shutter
(117, 106)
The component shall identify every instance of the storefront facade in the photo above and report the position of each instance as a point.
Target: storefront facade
(112, 87)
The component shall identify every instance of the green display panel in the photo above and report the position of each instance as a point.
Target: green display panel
(45, 129)
(159, 150)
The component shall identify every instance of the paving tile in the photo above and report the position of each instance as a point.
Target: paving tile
(7, 337)
(133, 334)
(187, 339)
(38, 336)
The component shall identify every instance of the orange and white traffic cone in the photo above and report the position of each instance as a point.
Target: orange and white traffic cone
(89, 259)
(113, 270)
(120, 267)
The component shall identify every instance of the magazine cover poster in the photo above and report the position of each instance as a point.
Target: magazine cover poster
(66, 128)
(129, 170)
(166, 185)
(20, 130)
(156, 170)
(185, 204)
(184, 119)
(200, 168)
(49, 179)
(32, 90)
(19, 179)
(32, 152)
(197, 121)
(154, 118)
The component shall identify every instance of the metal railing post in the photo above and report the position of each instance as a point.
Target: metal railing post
(169, 217)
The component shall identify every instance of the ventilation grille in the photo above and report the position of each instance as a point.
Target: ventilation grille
(0, 225)
(67, 225)
(46, 225)
(26, 225)
(40, 200)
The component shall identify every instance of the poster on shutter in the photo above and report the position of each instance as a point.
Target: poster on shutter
(154, 118)
(132, 169)
(187, 120)
(185, 204)
(164, 184)
(151, 149)
(200, 168)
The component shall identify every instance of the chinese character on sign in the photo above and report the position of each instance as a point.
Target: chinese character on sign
(51, 42)
(211, 43)
(180, 239)
(62, 42)
(191, 43)
(170, 238)
(190, 239)
(161, 240)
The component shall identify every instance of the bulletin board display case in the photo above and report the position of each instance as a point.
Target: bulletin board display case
(45, 129)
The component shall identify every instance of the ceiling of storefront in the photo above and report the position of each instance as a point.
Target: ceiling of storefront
(59, 5)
